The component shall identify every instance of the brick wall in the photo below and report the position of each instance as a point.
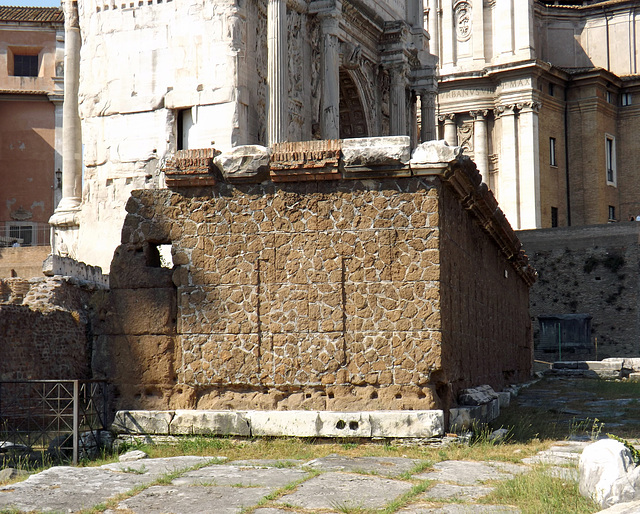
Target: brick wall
(319, 294)
(24, 262)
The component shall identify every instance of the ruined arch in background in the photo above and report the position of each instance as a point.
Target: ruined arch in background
(354, 119)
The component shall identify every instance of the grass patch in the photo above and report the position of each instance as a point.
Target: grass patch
(538, 491)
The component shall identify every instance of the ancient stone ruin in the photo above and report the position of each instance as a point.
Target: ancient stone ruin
(342, 275)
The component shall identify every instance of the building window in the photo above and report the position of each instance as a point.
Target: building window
(552, 151)
(25, 65)
(625, 99)
(612, 213)
(21, 234)
(551, 89)
(609, 96)
(554, 216)
(610, 158)
(185, 123)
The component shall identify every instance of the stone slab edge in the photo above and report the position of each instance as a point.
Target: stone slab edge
(397, 424)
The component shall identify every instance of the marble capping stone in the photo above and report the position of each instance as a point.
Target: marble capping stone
(297, 423)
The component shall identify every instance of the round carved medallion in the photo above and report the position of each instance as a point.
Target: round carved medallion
(462, 16)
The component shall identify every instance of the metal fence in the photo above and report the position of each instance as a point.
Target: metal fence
(24, 234)
(62, 419)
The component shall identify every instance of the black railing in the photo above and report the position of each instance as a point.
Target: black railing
(24, 234)
(60, 419)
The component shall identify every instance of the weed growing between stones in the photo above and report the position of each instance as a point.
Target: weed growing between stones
(635, 453)
(538, 491)
(278, 493)
(162, 480)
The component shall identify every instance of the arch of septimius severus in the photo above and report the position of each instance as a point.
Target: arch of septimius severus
(155, 76)
(543, 97)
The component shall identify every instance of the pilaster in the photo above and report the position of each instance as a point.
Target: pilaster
(529, 165)
(508, 185)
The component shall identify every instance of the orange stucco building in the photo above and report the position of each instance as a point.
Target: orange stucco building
(31, 95)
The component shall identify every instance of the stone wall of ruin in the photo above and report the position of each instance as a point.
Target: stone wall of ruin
(43, 328)
(320, 294)
(588, 270)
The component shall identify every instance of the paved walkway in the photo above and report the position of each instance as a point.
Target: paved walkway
(333, 484)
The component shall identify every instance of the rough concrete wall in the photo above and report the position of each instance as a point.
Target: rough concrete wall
(293, 296)
(591, 270)
(23, 262)
(323, 295)
(134, 331)
(484, 306)
(43, 330)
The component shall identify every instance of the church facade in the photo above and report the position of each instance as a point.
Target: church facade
(543, 95)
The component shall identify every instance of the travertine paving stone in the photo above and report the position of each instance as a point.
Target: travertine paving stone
(470, 473)
(193, 500)
(273, 478)
(157, 467)
(386, 466)
(68, 489)
(459, 492)
(341, 490)
(458, 509)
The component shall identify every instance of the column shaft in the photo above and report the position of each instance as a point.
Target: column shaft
(450, 132)
(277, 71)
(480, 143)
(427, 116)
(398, 101)
(330, 116)
(72, 132)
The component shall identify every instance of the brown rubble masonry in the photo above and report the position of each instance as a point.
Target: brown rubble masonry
(389, 289)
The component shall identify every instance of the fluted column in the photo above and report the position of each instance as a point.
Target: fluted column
(480, 143)
(277, 71)
(330, 117)
(529, 166)
(450, 132)
(427, 116)
(508, 185)
(398, 100)
(65, 221)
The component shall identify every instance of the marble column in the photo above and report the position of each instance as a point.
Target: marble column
(427, 116)
(398, 100)
(508, 190)
(65, 221)
(330, 116)
(450, 132)
(481, 143)
(277, 71)
(529, 166)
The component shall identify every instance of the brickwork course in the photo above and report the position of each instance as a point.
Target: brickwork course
(313, 291)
